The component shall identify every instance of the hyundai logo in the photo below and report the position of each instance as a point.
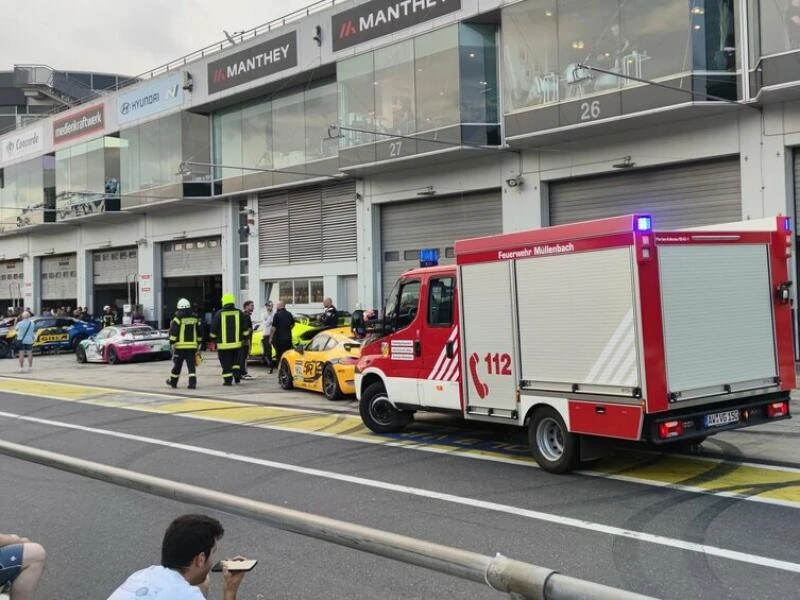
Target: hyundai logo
(126, 107)
(10, 147)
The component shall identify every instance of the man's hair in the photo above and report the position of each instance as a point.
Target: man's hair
(186, 537)
(248, 303)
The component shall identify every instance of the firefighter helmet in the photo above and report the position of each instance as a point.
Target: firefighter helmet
(183, 303)
(228, 299)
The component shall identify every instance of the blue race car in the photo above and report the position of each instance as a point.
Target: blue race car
(58, 333)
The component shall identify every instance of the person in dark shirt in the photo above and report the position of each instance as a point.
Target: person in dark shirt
(329, 317)
(281, 332)
(247, 310)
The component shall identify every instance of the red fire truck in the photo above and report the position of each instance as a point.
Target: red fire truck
(590, 331)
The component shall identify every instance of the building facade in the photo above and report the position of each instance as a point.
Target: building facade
(317, 158)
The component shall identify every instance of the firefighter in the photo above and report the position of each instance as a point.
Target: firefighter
(109, 318)
(229, 332)
(184, 338)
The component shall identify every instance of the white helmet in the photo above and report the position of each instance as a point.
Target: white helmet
(183, 303)
(106, 307)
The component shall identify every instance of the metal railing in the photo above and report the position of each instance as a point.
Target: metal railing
(518, 579)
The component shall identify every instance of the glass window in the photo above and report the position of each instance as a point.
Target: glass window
(440, 301)
(320, 113)
(450, 252)
(228, 143)
(317, 292)
(780, 25)
(177, 247)
(244, 282)
(288, 121)
(356, 81)
(402, 308)
(256, 126)
(478, 74)
(286, 291)
(132, 253)
(391, 256)
(318, 343)
(437, 80)
(301, 291)
(713, 35)
(394, 89)
(149, 159)
(411, 254)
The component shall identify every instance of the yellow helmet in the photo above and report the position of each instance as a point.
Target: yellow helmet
(228, 299)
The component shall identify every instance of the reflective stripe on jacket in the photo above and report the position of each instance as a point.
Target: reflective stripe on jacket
(229, 329)
(184, 332)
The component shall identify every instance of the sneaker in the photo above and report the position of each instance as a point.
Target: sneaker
(247, 376)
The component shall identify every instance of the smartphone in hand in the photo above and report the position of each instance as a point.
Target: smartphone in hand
(235, 565)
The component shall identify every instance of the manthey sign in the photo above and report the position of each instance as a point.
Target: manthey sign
(381, 17)
(262, 60)
(152, 98)
(25, 143)
(78, 124)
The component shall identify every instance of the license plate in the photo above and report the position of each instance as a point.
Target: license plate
(721, 418)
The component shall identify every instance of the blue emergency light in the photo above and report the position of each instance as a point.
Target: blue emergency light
(787, 224)
(428, 257)
(644, 224)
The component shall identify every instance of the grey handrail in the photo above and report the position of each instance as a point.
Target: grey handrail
(519, 579)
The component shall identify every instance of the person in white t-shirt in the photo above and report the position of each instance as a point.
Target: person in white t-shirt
(266, 326)
(187, 555)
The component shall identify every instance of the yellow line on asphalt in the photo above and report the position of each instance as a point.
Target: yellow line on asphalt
(765, 483)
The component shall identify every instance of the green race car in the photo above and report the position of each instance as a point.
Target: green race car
(305, 328)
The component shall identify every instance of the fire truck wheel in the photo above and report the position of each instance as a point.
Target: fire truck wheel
(553, 447)
(379, 414)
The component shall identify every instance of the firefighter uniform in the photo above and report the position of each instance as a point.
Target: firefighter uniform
(184, 335)
(229, 331)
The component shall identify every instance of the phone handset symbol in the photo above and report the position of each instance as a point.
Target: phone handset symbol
(480, 387)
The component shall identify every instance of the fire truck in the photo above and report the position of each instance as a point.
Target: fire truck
(590, 332)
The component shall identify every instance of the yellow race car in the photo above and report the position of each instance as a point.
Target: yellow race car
(325, 364)
(305, 327)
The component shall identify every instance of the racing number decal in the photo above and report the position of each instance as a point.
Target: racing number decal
(496, 364)
(308, 369)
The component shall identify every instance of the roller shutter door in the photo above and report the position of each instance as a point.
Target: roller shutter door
(692, 194)
(12, 286)
(114, 265)
(437, 223)
(192, 258)
(312, 224)
(59, 277)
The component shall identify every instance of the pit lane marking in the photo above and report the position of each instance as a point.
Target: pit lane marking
(745, 481)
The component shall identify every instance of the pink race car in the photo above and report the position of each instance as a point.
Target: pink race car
(124, 343)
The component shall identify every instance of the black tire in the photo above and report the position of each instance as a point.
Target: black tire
(330, 384)
(5, 349)
(285, 376)
(553, 447)
(113, 359)
(379, 414)
(77, 341)
(80, 354)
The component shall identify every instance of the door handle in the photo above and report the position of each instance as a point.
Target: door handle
(450, 349)
(417, 348)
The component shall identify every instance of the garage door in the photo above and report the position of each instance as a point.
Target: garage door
(407, 227)
(11, 283)
(59, 279)
(115, 265)
(691, 194)
(191, 258)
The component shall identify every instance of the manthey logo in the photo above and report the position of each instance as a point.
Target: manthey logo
(26, 143)
(382, 17)
(152, 98)
(87, 121)
(262, 60)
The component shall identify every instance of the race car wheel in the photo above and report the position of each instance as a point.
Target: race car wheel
(553, 447)
(80, 354)
(285, 376)
(379, 414)
(330, 383)
(113, 358)
(77, 341)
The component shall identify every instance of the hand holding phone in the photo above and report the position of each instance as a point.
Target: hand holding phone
(237, 564)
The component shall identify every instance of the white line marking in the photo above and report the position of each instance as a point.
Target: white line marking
(640, 536)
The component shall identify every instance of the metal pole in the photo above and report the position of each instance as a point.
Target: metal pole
(521, 580)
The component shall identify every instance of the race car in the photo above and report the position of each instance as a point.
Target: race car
(305, 328)
(6, 326)
(57, 333)
(325, 364)
(124, 343)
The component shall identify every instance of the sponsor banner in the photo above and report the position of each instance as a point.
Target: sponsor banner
(152, 98)
(29, 142)
(78, 124)
(382, 17)
(267, 58)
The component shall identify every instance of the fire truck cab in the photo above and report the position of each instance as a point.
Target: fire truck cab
(591, 331)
